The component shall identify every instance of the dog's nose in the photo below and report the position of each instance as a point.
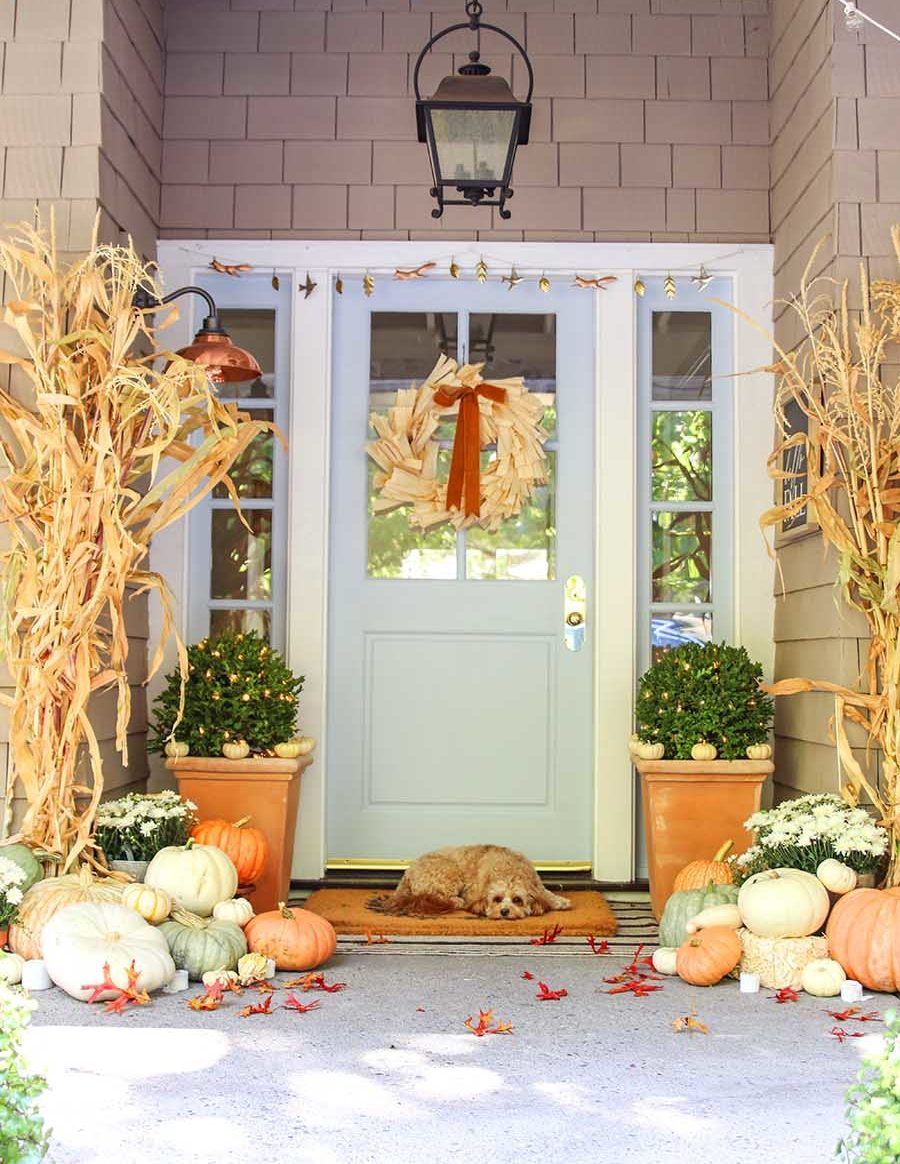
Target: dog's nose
(504, 912)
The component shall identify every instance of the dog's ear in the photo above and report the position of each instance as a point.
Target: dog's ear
(537, 906)
(478, 907)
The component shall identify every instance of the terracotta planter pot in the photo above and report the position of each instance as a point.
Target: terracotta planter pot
(690, 808)
(267, 790)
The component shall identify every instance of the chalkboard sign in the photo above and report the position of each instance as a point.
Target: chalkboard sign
(794, 462)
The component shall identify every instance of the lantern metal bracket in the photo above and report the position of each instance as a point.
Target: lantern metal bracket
(473, 194)
(144, 301)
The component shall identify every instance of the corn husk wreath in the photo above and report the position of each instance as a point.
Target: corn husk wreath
(853, 486)
(406, 450)
(84, 438)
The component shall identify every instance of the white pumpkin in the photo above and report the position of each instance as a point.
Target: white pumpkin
(759, 752)
(154, 905)
(80, 939)
(783, 903)
(288, 750)
(11, 968)
(236, 750)
(823, 977)
(664, 959)
(647, 751)
(236, 909)
(704, 751)
(177, 749)
(307, 744)
(197, 877)
(836, 876)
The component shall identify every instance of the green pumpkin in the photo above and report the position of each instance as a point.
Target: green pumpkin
(22, 856)
(682, 906)
(200, 944)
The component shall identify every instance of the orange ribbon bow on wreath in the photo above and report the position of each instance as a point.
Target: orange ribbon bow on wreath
(464, 482)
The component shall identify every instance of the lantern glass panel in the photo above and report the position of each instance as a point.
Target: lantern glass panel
(472, 144)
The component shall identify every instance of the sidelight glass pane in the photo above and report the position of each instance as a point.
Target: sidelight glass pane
(681, 556)
(254, 330)
(678, 628)
(252, 471)
(682, 355)
(240, 621)
(518, 345)
(241, 558)
(682, 456)
(524, 548)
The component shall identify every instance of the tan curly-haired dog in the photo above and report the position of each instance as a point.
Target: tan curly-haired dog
(487, 880)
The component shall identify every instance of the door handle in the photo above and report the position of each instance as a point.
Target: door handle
(575, 612)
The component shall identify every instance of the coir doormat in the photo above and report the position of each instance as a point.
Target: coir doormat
(348, 912)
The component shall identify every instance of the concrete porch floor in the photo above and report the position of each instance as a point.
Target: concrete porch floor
(370, 1079)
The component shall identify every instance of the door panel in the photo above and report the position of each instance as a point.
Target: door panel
(456, 713)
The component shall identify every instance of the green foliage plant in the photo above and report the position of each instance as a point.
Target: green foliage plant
(238, 688)
(706, 692)
(23, 1139)
(873, 1104)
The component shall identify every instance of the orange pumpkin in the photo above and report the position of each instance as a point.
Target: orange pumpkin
(699, 874)
(707, 956)
(864, 936)
(247, 848)
(295, 938)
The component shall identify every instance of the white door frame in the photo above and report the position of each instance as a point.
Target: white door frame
(309, 436)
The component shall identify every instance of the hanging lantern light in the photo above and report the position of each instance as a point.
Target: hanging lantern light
(472, 125)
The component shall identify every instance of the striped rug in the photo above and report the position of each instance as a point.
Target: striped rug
(636, 925)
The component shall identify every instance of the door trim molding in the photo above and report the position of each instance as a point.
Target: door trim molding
(750, 265)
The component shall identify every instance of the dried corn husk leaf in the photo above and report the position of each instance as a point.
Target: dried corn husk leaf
(89, 481)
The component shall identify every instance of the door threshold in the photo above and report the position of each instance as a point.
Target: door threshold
(386, 878)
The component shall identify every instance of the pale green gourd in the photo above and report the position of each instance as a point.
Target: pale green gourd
(686, 904)
(22, 856)
(200, 944)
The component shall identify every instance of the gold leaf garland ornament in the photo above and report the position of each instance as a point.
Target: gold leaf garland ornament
(502, 413)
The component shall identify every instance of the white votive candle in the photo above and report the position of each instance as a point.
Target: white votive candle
(35, 976)
(178, 982)
(270, 967)
(851, 991)
(749, 983)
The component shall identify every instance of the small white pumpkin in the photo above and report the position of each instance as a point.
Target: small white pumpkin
(11, 968)
(289, 750)
(307, 743)
(647, 751)
(704, 751)
(198, 877)
(633, 740)
(236, 750)
(80, 940)
(663, 959)
(783, 903)
(224, 976)
(759, 752)
(823, 978)
(236, 909)
(177, 749)
(154, 905)
(836, 876)
(728, 916)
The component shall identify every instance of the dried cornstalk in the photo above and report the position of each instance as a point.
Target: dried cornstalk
(85, 491)
(837, 377)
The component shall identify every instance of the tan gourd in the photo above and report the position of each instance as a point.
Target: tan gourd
(759, 752)
(236, 750)
(177, 749)
(704, 751)
(289, 750)
(154, 905)
(715, 915)
(647, 751)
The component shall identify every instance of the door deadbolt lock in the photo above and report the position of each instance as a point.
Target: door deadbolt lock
(575, 612)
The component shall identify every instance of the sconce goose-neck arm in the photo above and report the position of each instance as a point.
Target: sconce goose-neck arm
(223, 360)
